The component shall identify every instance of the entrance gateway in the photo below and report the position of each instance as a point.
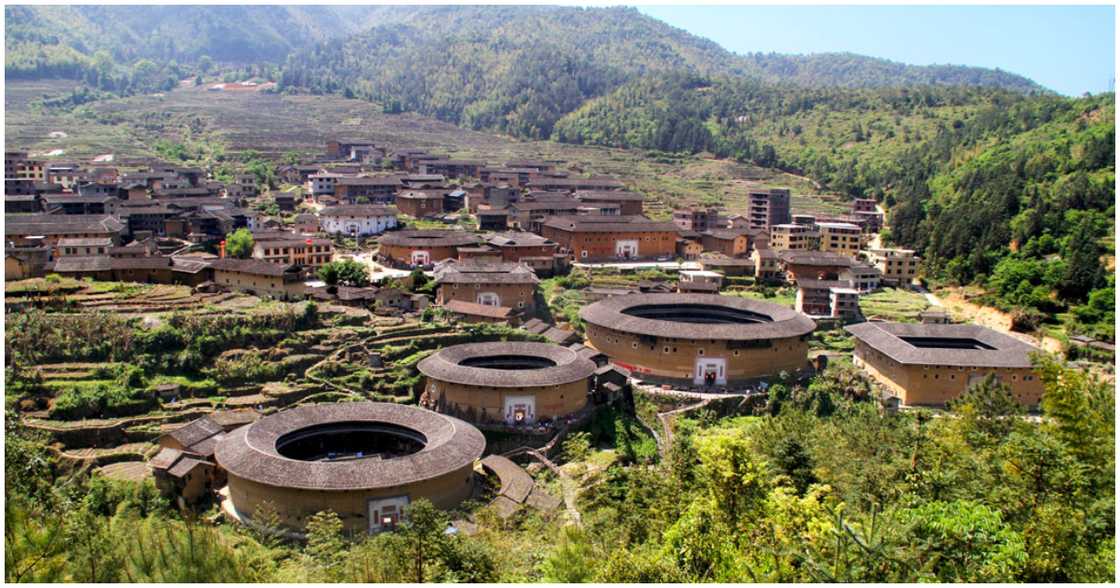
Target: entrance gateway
(520, 410)
(385, 513)
(626, 248)
(421, 258)
(710, 371)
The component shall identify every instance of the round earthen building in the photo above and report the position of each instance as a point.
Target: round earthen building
(705, 339)
(506, 382)
(365, 461)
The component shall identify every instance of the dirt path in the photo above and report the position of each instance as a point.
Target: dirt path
(963, 310)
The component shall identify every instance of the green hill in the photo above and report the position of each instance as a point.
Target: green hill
(520, 69)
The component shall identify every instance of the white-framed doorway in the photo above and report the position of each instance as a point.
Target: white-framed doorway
(710, 370)
(489, 299)
(386, 513)
(520, 410)
(421, 258)
(626, 248)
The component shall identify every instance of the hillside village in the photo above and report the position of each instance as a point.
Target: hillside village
(430, 241)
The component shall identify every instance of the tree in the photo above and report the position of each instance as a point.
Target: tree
(325, 545)
(239, 244)
(424, 528)
(988, 410)
(1082, 261)
(346, 272)
(205, 64)
(968, 542)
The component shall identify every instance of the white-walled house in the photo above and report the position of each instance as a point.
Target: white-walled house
(358, 220)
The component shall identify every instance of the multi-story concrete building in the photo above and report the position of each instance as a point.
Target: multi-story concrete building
(898, 266)
(827, 298)
(695, 218)
(794, 237)
(767, 208)
(308, 252)
(864, 278)
(842, 238)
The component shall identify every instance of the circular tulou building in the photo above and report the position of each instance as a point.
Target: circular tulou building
(506, 382)
(365, 461)
(706, 339)
(412, 248)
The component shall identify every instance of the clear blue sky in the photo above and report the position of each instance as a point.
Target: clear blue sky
(1069, 49)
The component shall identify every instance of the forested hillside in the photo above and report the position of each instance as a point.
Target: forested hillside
(134, 49)
(520, 69)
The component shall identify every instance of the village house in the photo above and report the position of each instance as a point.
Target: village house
(597, 239)
(47, 229)
(827, 299)
(699, 219)
(357, 220)
(367, 189)
(864, 278)
(512, 285)
(83, 246)
(628, 203)
(307, 252)
(689, 246)
(452, 168)
(75, 204)
(305, 224)
(794, 237)
(700, 281)
(899, 267)
(730, 242)
(420, 203)
(814, 265)
(767, 266)
(418, 248)
(348, 148)
(259, 277)
(492, 219)
(842, 238)
(410, 159)
(298, 174)
(575, 184)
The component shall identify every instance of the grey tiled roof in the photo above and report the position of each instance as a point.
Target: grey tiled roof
(606, 224)
(195, 431)
(816, 258)
(250, 266)
(445, 365)
(429, 238)
(888, 339)
(55, 224)
(784, 322)
(359, 210)
(486, 273)
(250, 451)
(476, 309)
